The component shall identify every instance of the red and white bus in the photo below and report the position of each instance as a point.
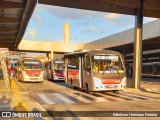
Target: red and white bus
(57, 73)
(30, 70)
(95, 70)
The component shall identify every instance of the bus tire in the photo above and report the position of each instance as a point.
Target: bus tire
(87, 89)
(74, 87)
(41, 82)
(116, 91)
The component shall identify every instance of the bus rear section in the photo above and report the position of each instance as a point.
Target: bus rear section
(96, 70)
(30, 70)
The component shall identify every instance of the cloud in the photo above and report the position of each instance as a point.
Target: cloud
(32, 32)
(37, 14)
(71, 13)
(112, 16)
(87, 17)
(39, 19)
(93, 30)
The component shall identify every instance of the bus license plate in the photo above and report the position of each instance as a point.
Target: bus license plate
(33, 78)
(112, 86)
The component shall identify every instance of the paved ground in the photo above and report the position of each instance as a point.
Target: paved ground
(59, 96)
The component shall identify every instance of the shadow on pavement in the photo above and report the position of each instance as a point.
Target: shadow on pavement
(5, 104)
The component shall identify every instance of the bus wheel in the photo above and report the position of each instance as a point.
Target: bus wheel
(74, 87)
(116, 91)
(87, 89)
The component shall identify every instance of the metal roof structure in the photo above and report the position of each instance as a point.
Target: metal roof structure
(15, 14)
(129, 7)
(14, 18)
(139, 8)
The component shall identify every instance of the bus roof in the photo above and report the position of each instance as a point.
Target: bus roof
(94, 52)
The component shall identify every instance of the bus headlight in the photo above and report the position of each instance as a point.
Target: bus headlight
(123, 82)
(97, 82)
(25, 76)
(41, 74)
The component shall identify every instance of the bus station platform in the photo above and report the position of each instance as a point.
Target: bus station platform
(19, 99)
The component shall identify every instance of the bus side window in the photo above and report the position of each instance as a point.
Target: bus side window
(87, 65)
(73, 62)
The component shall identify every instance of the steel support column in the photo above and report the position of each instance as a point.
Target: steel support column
(138, 46)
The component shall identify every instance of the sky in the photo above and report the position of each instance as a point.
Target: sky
(46, 24)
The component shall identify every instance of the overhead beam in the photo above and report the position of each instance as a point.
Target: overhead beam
(9, 20)
(5, 35)
(152, 13)
(151, 4)
(151, 47)
(8, 29)
(9, 36)
(148, 4)
(147, 61)
(9, 47)
(9, 4)
(146, 55)
(122, 3)
(6, 45)
(11, 15)
(151, 7)
(29, 8)
(7, 39)
(95, 5)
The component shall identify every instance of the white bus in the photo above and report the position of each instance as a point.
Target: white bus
(95, 70)
(30, 70)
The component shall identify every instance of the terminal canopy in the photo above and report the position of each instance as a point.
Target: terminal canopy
(14, 17)
(129, 7)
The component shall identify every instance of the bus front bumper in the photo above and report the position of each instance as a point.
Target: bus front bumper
(109, 87)
(33, 79)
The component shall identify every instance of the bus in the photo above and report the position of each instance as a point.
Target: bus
(95, 70)
(30, 70)
(57, 72)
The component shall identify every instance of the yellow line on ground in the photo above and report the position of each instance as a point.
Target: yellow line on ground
(20, 104)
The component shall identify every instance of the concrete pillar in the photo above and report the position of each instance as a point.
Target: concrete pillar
(137, 69)
(66, 33)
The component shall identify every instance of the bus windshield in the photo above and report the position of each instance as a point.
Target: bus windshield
(32, 65)
(58, 64)
(107, 64)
